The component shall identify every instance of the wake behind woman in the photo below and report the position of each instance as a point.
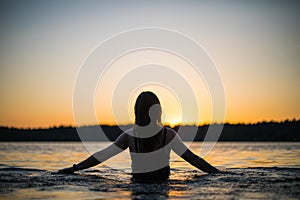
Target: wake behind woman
(149, 143)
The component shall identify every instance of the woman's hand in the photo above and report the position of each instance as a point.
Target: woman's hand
(68, 170)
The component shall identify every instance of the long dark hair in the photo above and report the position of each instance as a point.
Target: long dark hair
(142, 107)
(147, 104)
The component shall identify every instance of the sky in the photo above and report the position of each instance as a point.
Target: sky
(254, 45)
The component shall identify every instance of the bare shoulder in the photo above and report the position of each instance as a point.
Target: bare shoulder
(127, 132)
(123, 140)
(170, 133)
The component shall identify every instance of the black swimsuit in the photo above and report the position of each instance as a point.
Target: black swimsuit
(159, 175)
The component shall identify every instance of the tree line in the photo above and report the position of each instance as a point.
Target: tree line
(288, 130)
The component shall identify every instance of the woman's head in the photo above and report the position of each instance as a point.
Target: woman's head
(147, 104)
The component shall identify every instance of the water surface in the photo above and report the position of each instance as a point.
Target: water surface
(253, 171)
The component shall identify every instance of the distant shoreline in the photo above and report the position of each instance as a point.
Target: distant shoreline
(286, 131)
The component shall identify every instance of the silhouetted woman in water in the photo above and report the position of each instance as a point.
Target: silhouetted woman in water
(150, 144)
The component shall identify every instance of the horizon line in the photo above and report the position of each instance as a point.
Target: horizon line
(165, 124)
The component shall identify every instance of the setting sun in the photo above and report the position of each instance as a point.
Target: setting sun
(174, 122)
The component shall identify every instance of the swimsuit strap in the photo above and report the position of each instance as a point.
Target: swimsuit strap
(135, 142)
(165, 135)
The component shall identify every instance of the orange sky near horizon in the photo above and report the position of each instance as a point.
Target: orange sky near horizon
(254, 45)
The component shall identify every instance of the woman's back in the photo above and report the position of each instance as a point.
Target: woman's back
(150, 156)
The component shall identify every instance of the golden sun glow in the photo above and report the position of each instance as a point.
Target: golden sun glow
(174, 122)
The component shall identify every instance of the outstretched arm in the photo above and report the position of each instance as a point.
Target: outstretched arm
(118, 146)
(180, 149)
(198, 162)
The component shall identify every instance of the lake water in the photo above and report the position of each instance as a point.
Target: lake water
(252, 171)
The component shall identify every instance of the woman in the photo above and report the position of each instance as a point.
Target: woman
(149, 144)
